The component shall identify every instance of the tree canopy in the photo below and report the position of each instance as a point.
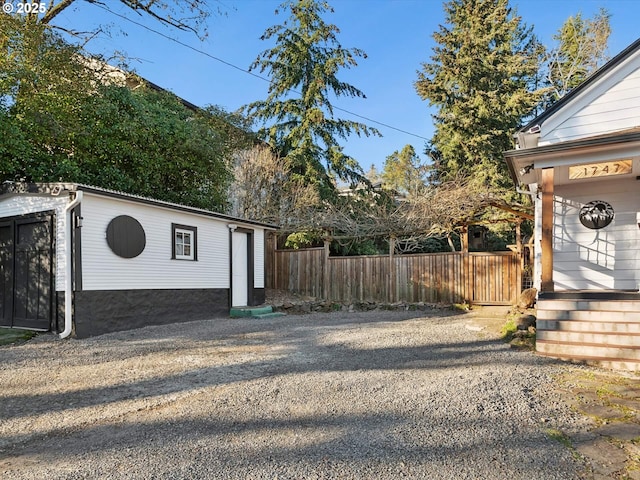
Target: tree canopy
(404, 173)
(581, 49)
(479, 80)
(61, 121)
(297, 117)
(188, 15)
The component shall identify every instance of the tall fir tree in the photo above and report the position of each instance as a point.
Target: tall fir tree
(297, 117)
(479, 80)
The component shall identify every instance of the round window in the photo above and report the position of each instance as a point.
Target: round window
(596, 214)
(126, 237)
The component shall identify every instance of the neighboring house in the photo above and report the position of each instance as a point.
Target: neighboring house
(580, 160)
(81, 260)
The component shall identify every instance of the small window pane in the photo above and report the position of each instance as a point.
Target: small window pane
(184, 243)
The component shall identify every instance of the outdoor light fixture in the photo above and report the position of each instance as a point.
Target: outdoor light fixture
(526, 169)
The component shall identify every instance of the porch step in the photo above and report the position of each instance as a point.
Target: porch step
(265, 311)
(594, 327)
(606, 313)
(589, 326)
(621, 340)
(579, 305)
(625, 358)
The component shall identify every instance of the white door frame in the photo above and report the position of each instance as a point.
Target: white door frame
(241, 266)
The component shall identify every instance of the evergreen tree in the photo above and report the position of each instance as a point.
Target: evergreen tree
(303, 66)
(479, 80)
(403, 172)
(581, 49)
(372, 174)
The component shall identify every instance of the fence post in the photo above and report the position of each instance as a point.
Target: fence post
(467, 280)
(392, 270)
(326, 280)
(520, 256)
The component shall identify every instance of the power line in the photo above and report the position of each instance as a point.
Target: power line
(229, 64)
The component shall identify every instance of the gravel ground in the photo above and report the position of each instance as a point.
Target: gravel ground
(365, 395)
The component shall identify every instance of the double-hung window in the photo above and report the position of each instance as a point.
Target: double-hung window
(184, 242)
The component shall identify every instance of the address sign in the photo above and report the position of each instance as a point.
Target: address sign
(605, 169)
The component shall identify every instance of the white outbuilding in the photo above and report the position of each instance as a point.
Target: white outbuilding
(80, 260)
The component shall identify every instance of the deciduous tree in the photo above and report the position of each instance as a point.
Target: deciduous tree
(581, 49)
(188, 15)
(60, 122)
(264, 189)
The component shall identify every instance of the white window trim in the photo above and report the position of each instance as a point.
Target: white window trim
(192, 234)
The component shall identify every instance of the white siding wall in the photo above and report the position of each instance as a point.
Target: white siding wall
(608, 258)
(153, 268)
(258, 258)
(616, 108)
(26, 204)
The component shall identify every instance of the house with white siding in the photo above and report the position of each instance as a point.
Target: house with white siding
(80, 260)
(580, 162)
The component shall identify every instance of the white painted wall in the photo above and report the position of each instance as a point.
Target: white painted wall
(610, 106)
(258, 258)
(608, 258)
(26, 204)
(154, 268)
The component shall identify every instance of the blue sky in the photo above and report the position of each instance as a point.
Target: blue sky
(395, 34)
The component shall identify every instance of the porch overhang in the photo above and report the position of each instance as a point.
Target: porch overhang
(526, 164)
(542, 168)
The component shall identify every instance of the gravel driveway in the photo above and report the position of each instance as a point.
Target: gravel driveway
(365, 395)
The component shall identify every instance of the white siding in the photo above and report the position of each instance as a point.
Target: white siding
(27, 204)
(608, 258)
(153, 268)
(613, 106)
(258, 258)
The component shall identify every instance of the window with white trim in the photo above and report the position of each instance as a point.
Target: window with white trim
(184, 242)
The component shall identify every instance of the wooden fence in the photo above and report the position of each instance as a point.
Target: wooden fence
(478, 278)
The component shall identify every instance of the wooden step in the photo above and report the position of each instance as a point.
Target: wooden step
(589, 338)
(589, 305)
(621, 358)
(588, 315)
(594, 327)
(589, 326)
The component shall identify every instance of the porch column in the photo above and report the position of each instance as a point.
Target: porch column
(547, 231)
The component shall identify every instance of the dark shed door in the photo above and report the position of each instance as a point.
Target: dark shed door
(6, 273)
(26, 272)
